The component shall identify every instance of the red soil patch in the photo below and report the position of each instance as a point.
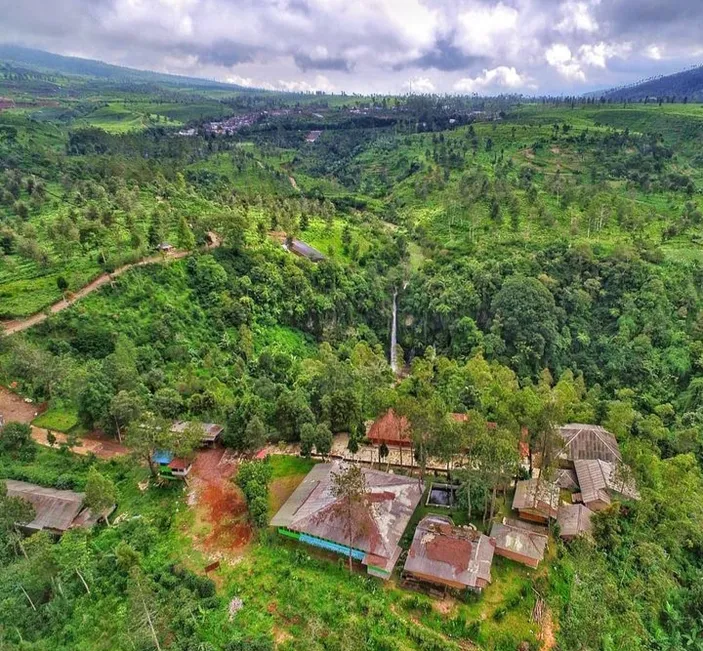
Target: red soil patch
(220, 503)
(14, 408)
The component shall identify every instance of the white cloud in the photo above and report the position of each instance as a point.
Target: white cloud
(597, 54)
(559, 57)
(482, 30)
(501, 77)
(653, 52)
(320, 82)
(420, 85)
(577, 18)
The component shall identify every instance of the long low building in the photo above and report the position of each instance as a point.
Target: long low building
(314, 516)
(519, 542)
(446, 555)
(56, 511)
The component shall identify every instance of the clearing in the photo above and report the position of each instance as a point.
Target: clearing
(221, 529)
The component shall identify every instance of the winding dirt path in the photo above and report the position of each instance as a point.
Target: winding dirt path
(18, 325)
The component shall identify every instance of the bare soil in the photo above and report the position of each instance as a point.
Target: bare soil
(223, 529)
(14, 408)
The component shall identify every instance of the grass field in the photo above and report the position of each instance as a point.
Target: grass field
(57, 419)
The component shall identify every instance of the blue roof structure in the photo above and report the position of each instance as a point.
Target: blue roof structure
(162, 457)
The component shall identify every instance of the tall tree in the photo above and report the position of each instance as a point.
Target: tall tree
(350, 490)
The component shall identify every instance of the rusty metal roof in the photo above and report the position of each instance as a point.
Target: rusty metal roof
(599, 479)
(210, 430)
(381, 520)
(54, 509)
(574, 520)
(449, 553)
(518, 540)
(588, 442)
(390, 428)
(537, 494)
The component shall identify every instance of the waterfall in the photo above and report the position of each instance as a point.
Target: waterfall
(394, 334)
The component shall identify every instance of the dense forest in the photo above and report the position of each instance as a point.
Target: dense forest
(548, 264)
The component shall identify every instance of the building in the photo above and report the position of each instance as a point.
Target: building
(211, 431)
(519, 543)
(588, 442)
(536, 500)
(171, 466)
(313, 136)
(391, 430)
(574, 520)
(304, 250)
(600, 481)
(450, 556)
(312, 515)
(56, 511)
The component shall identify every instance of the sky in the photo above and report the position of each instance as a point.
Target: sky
(375, 46)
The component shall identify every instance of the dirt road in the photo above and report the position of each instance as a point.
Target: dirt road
(15, 408)
(11, 327)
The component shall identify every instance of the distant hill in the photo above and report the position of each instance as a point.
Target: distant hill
(681, 85)
(47, 62)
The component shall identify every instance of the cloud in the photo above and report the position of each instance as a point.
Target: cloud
(420, 86)
(498, 78)
(484, 29)
(559, 56)
(577, 18)
(372, 45)
(653, 52)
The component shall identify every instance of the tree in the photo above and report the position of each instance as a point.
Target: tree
(167, 402)
(184, 236)
(16, 440)
(307, 439)
(525, 317)
(184, 442)
(62, 285)
(125, 408)
(100, 493)
(14, 511)
(147, 435)
(254, 437)
(323, 439)
(350, 490)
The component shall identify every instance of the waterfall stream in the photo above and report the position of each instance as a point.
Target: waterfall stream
(394, 334)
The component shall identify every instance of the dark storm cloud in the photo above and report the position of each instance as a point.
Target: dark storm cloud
(222, 53)
(445, 56)
(374, 44)
(306, 62)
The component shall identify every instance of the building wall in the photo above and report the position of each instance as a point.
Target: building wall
(519, 558)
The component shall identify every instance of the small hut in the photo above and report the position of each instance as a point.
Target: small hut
(519, 543)
(536, 500)
(574, 520)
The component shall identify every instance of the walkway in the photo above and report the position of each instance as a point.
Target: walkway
(18, 325)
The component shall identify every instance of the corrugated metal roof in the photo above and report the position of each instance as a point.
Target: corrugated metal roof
(54, 509)
(450, 554)
(574, 520)
(390, 429)
(210, 430)
(537, 494)
(519, 540)
(588, 442)
(381, 520)
(598, 479)
(305, 250)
